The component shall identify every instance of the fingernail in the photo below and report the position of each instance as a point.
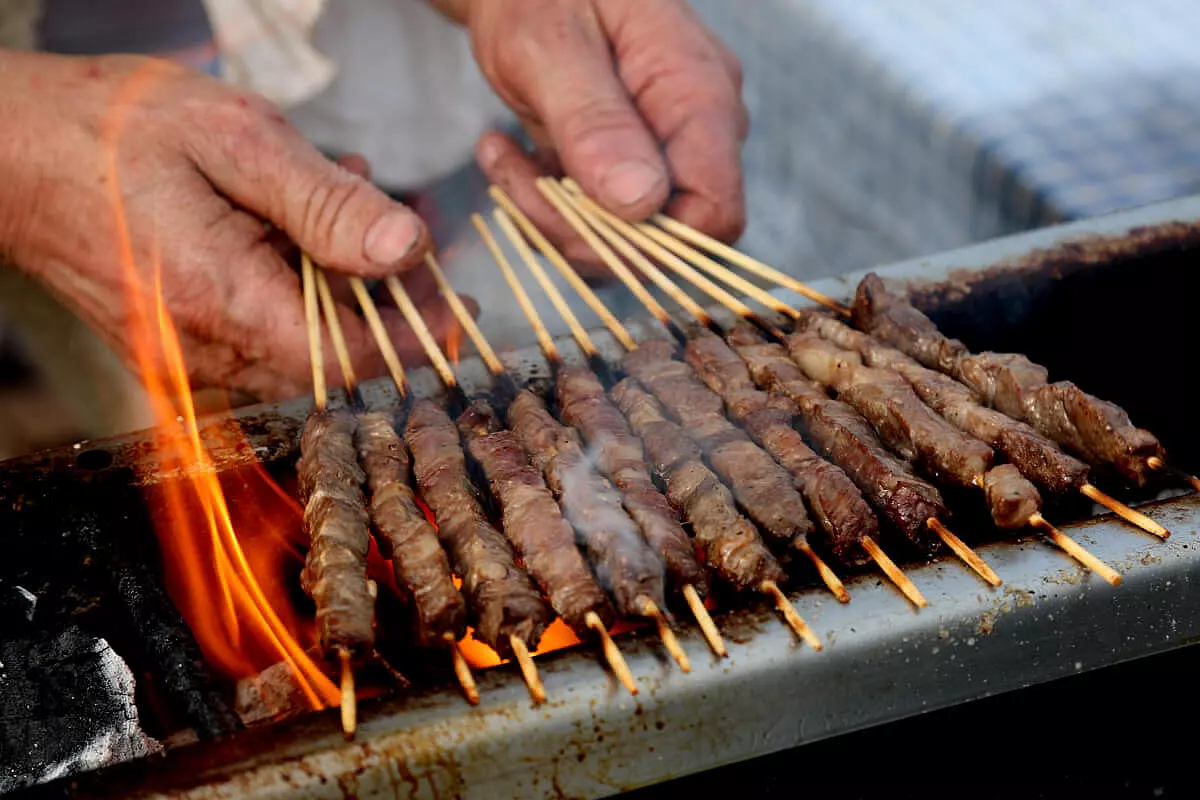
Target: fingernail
(392, 237)
(629, 182)
(489, 152)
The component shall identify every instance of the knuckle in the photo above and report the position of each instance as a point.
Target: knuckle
(324, 207)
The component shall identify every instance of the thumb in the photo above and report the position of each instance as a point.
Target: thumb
(338, 217)
(571, 83)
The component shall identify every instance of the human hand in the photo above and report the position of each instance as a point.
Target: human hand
(115, 163)
(635, 100)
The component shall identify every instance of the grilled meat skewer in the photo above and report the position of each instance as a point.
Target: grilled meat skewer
(405, 536)
(624, 563)
(620, 457)
(730, 543)
(503, 600)
(1091, 428)
(762, 488)
(835, 503)
(1038, 458)
(842, 435)
(533, 522)
(888, 402)
(335, 517)
(913, 430)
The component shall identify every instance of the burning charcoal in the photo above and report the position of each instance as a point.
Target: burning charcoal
(90, 722)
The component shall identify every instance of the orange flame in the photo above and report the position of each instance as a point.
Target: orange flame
(453, 342)
(230, 588)
(557, 636)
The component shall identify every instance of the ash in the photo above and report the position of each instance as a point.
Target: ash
(66, 706)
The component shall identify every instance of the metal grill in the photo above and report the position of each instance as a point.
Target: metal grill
(1098, 303)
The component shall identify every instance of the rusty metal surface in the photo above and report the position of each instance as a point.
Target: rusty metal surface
(882, 660)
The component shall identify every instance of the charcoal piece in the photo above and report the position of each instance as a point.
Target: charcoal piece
(66, 706)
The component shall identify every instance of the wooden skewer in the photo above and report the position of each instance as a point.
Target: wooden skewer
(312, 316)
(893, 572)
(528, 670)
(462, 670)
(335, 331)
(960, 548)
(790, 614)
(670, 642)
(486, 353)
(622, 233)
(612, 653)
(707, 626)
(578, 332)
(555, 195)
(668, 287)
(349, 697)
(588, 347)
(744, 261)
(420, 329)
(390, 356)
(545, 340)
(568, 272)
(1157, 463)
(827, 574)
(1076, 551)
(680, 258)
(1124, 512)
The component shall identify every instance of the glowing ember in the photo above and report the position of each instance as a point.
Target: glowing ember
(231, 591)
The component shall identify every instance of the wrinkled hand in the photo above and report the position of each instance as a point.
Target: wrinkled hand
(634, 99)
(112, 159)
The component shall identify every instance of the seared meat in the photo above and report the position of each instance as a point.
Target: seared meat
(404, 535)
(731, 545)
(620, 458)
(842, 515)
(533, 521)
(841, 434)
(503, 600)
(623, 562)
(335, 517)
(1093, 429)
(1038, 458)
(763, 489)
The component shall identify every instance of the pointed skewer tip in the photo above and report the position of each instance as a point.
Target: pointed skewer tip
(964, 552)
(349, 699)
(791, 615)
(462, 670)
(669, 640)
(828, 576)
(612, 653)
(709, 628)
(894, 573)
(537, 692)
(1130, 515)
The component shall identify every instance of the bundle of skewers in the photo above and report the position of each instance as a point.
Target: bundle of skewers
(743, 454)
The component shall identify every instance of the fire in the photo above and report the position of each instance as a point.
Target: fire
(557, 636)
(230, 587)
(453, 341)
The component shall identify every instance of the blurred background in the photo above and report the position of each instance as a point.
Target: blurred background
(881, 130)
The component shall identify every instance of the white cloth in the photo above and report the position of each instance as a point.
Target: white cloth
(408, 94)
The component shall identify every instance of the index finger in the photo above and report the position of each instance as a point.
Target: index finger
(688, 88)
